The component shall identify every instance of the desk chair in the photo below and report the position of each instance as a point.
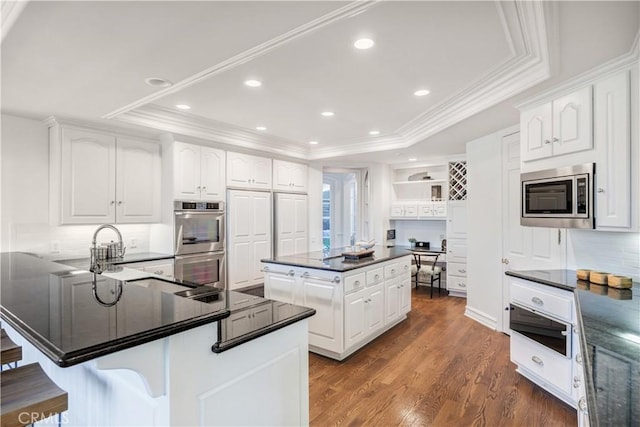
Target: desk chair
(425, 270)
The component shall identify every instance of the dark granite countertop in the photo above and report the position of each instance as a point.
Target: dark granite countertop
(84, 263)
(609, 323)
(334, 261)
(67, 313)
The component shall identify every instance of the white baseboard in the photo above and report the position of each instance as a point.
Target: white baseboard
(480, 317)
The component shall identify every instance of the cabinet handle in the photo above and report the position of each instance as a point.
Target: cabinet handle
(159, 272)
(268, 270)
(537, 360)
(582, 405)
(462, 271)
(393, 271)
(306, 275)
(579, 358)
(119, 202)
(555, 139)
(546, 141)
(576, 382)
(600, 190)
(537, 301)
(462, 285)
(113, 202)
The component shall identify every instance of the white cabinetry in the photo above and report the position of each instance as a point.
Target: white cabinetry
(291, 223)
(613, 169)
(246, 171)
(249, 236)
(244, 321)
(98, 177)
(561, 126)
(199, 172)
(457, 248)
(404, 210)
(352, 308)
(288, 176)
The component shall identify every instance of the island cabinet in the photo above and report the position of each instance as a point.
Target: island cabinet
(353, 306)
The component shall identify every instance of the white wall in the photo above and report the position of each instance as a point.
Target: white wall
(315, 206)
(25, 199)
(432, 231)
(617, 253)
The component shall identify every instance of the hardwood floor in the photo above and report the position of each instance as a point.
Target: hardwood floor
(437, 368)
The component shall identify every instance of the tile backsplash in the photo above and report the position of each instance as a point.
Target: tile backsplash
(617, 253)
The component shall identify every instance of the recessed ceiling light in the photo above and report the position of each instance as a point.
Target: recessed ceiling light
(183, 107)
(253, 83)
(313, 142)
(328, 113)
(374, 132)
(261, 128)
(364, 44)
(421, 92)
(412, 159)
(157, 82)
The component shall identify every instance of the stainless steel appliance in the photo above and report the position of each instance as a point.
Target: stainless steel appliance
(559, 198)
(199, 229)
(551, 333)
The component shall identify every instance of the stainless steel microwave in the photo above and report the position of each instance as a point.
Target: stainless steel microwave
(558, 198)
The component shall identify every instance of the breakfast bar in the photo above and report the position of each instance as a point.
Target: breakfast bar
(356, 300)
(129, 353)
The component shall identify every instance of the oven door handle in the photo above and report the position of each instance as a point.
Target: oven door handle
(198, 257)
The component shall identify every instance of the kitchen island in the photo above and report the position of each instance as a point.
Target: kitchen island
(355, 300)
(129, 354)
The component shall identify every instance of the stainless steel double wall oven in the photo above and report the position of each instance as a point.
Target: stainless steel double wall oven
(199, 243)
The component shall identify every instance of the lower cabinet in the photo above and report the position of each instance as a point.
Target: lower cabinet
(352, 307)
(245, 321)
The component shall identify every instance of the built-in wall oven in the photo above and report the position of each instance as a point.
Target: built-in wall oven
(199, 244)
(551, 333)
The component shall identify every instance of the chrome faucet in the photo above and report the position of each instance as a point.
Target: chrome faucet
(95, 259)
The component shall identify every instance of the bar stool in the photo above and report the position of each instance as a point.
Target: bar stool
(28, 395)
(10, 352)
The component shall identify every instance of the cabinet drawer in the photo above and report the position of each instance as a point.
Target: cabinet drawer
(457, 283)
(457, 269)
(544, 302)
(457, 250)
(405, 265)
(545, 363)
(355, 282)
(375, 276)
(391, 270)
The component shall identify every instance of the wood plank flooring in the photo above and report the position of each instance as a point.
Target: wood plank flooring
(437, 368)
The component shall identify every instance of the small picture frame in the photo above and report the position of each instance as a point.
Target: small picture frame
(436, 192)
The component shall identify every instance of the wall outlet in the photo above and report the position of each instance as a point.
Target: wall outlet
(133, 243)
(54, 247)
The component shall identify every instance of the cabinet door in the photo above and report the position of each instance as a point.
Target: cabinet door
(457, 250)
(238, 323)
(535, 132)
(572, 122)
(612, 134)
(260, 233)
(186, 171)
(212, 174)
(397, 210)
(291, 224)
(261, 173)
(392, 298)
(283, 175)
(88, 177)
(325, 327)
(457, 219)
(411, 211)
(279, 287)
(300, 177)
(239, 172)
(405, 295)
(262, 316)
(240, 238)
(138, 181)
(354, 318)
(425, 210)
(375, 313)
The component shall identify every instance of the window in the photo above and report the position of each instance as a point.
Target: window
(341, 207)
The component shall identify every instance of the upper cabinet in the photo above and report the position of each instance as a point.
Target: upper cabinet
(289, 177)
(98, 178)
(558, 127)
(199, 172)
(246, 171)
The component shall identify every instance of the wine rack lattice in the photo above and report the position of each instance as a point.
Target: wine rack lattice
(457, 180)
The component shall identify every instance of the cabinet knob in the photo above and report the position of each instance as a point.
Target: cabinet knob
(113, 202)
(159, 272)
(357, 283)
(600, 190)
(204, 188)
(198, 188)
(546, 141)
(576, 382)
(462, 285)
(119, 202)
(376, 277)
(537, 301)
(579, 358)
(555, 139)
(582, 405)
(462, 270)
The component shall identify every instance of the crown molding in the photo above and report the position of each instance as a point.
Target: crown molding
(350, 9)
(151, 135)
(171, 121)
(616, 65)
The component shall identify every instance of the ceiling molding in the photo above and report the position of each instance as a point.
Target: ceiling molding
(525, 26)
(251, 54)
(171, 121)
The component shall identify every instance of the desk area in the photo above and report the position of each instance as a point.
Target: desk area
(428, 267)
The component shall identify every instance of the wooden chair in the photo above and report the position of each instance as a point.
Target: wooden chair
(425, 268)
(10, 352)
(28, 395)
